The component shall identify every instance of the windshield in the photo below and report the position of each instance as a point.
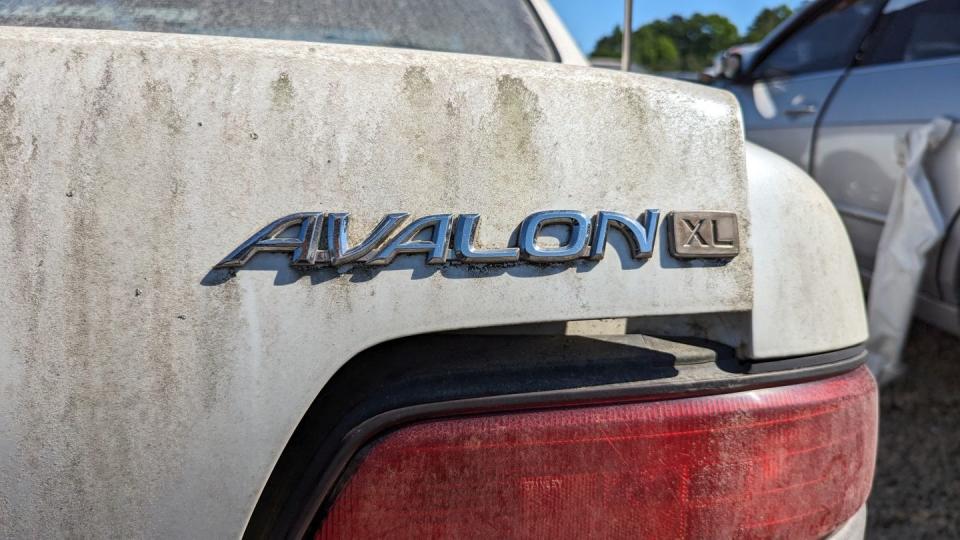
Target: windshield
(507, 28)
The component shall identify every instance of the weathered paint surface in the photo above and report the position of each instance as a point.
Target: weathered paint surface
(141, 395)
(807, 286)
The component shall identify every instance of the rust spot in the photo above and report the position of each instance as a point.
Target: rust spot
(518, 111)
(451, 109)
(160, 103)
(10, 141)
(416, 84)
(103, 95)
(283, 91)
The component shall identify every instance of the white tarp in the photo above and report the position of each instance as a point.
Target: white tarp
(914, 225)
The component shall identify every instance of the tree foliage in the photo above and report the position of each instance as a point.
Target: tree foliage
(654, 50)
(609, 46)
(766, 20)
(687, 43)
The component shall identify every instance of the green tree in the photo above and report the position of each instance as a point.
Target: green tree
(767, 20)
(701, 37)
(675, 44)
(654, 51)
(609, 46)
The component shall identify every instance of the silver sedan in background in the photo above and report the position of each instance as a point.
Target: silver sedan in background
(834, 89)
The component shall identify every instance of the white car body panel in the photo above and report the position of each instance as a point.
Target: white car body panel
(143, 395)
(823, 286)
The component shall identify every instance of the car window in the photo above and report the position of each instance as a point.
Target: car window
(507, 28)
(915, 30)
(828, 41)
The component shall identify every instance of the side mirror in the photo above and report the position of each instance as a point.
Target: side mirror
(731, 63)
(726, 65)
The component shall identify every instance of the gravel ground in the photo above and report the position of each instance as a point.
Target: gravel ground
(916, 492)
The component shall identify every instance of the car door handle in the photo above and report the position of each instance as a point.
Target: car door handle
(801, 110)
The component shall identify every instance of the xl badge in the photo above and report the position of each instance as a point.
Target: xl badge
(322, 239)
(697, 235)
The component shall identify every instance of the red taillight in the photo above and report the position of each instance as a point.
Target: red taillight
(788, 462)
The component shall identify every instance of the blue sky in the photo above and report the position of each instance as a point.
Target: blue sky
(588, 20)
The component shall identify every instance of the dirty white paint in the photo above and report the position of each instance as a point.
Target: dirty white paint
(137, 161)
(807, 291)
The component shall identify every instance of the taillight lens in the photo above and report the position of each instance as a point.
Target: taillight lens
(787, 462)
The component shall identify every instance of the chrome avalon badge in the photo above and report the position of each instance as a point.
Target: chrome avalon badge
(321, 239)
